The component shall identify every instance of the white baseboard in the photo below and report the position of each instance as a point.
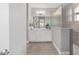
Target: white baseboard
(39, 41)
(65, 53)
(58, 50)
(56, 47)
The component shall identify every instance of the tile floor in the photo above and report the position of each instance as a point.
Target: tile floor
(41, 48)
(75, 50)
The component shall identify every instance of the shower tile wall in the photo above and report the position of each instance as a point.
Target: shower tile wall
(71, 24)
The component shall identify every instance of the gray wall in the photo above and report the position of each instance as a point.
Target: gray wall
(17, 12)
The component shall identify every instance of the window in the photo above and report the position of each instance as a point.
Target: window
(76, 13)
(69, 14)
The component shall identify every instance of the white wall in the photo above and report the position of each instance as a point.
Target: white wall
(61, 40)
(61, 35)
(17, 28)
(52, 6)
(4, 26)
(57, 17)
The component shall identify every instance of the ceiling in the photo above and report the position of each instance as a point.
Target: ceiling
(48, 7)
(45, 5)
(48, 11)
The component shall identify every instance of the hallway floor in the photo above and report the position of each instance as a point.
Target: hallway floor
(41, 48)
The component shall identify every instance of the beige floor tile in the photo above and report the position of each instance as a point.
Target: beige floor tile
(41, 48)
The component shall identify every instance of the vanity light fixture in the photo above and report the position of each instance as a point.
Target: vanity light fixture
(41, 12)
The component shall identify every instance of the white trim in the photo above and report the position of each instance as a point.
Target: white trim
(56, 47)
(58, 50)
(40, 41)
(65, 53)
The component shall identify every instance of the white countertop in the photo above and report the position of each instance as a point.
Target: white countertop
(60, 28)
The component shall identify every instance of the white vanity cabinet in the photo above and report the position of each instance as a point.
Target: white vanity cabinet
(40, 35)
